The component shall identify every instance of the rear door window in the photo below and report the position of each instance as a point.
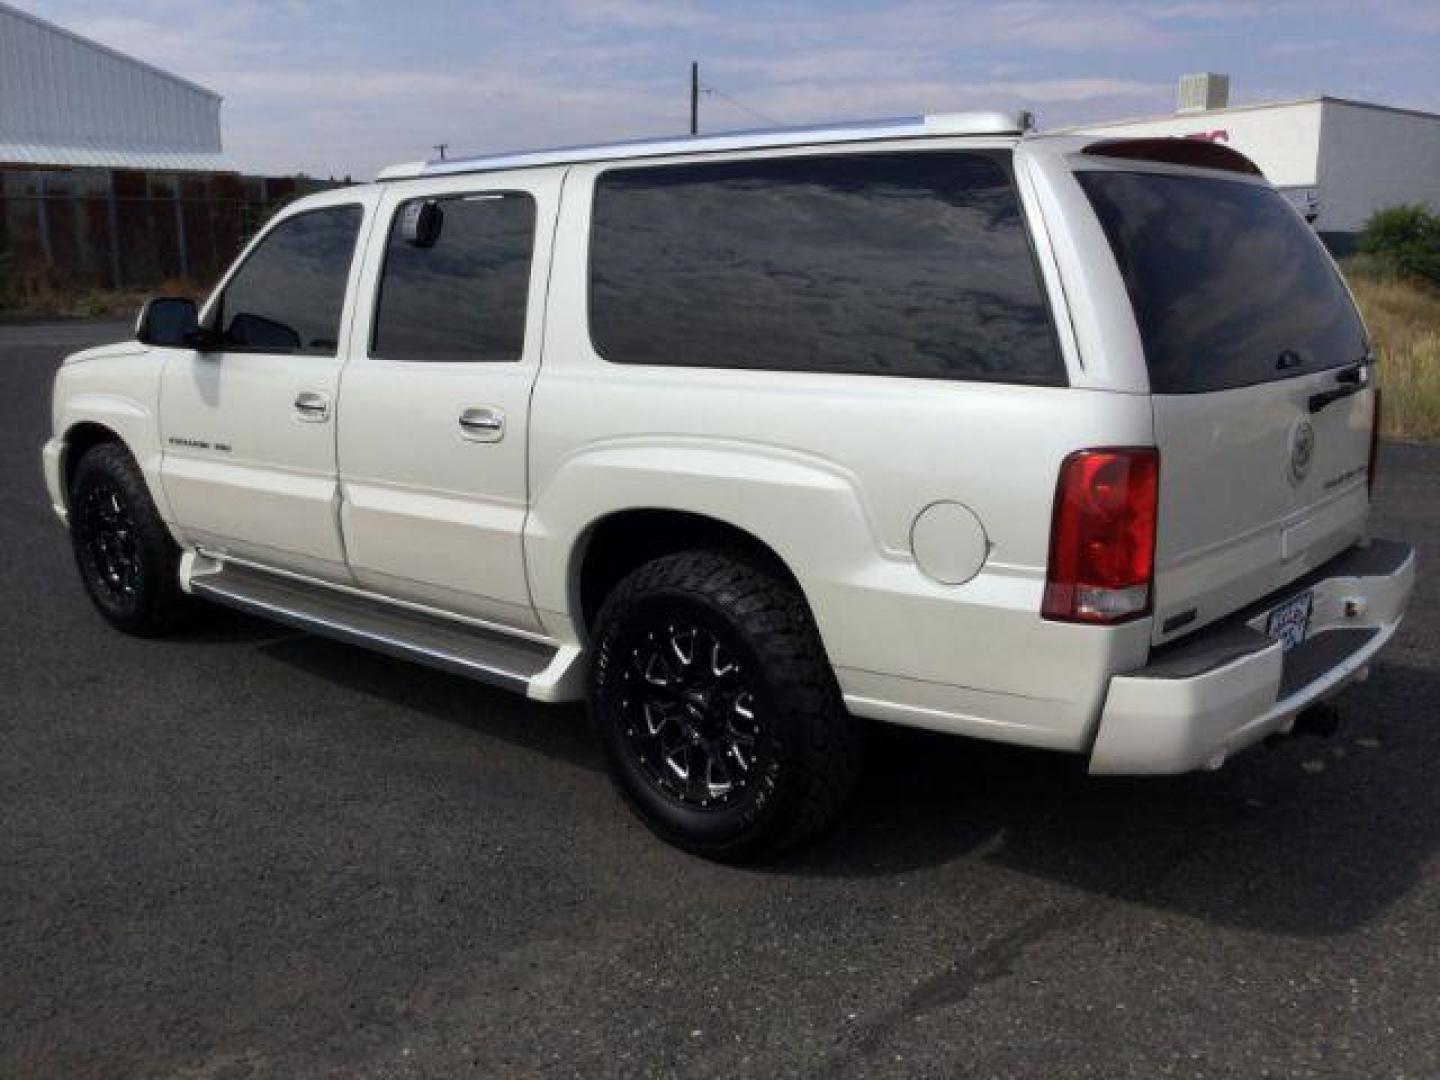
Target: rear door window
(913, 263)
(461, 296)
(1229, 286)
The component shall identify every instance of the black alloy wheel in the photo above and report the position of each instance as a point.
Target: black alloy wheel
(691, 712)
(107, 544)
(716, 707)
(128, 561)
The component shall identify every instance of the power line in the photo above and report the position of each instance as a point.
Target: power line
(715, 91)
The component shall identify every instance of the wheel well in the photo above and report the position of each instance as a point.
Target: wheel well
(78, 441)
(625, 541)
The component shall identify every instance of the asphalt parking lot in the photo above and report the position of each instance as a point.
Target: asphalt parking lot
(249, 852)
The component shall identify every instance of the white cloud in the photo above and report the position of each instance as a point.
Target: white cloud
(965, 27)
(366, 119)
(1209, 9)
(1303, 48)
(648, 14)
(1070, 27)
(1423, 17)
(879, 97)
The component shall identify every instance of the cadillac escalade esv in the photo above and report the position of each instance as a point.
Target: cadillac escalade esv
(749, 439)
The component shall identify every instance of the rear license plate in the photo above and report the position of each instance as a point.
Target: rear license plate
(1288, 622)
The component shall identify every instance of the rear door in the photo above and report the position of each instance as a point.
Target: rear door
(434, 404)
(1260, 384)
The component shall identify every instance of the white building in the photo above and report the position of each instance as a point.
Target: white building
(69, 101)
(1339, 159)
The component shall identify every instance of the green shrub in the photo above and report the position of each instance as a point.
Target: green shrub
(1405, 241)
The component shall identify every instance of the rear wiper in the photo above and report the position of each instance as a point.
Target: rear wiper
(1351, 380)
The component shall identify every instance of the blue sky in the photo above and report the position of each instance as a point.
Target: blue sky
(343, 86)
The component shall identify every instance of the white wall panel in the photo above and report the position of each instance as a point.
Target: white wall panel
(1372, 158)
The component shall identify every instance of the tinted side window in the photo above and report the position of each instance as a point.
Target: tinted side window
(288, 295)
(463, 296)
(888, 264)
(1229, 286)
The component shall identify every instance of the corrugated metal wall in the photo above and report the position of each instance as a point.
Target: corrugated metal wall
(59, 89)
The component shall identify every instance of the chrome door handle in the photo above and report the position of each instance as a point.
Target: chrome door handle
(312, 407)
(482, 425)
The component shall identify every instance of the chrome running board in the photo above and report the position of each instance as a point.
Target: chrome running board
(460, 648)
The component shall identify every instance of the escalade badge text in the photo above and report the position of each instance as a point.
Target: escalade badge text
(198, 444)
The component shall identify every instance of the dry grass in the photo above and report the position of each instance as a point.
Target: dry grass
(43, 294)
(1404, 321)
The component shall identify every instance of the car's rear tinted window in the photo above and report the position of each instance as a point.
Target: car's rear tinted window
(887, 264)
(1230, 288)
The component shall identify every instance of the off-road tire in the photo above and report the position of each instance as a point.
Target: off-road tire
(806, 749)
(128, 561)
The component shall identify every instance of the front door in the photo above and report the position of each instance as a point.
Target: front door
(434, 404)
(249, 426)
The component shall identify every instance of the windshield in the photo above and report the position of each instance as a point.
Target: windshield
(1230, 287)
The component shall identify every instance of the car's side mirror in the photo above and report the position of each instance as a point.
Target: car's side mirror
(170, 321)
(421, 222)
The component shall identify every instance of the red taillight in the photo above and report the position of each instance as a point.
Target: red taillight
(1374, 442)
(1102, 536)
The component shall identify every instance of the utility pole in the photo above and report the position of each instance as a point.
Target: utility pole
(694, 98)
(441, 148)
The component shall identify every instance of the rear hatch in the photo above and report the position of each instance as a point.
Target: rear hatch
(1260, 383)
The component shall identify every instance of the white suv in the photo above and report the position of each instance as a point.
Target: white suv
(743, 439)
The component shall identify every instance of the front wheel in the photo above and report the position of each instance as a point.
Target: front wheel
(127, 559)
(716, 708)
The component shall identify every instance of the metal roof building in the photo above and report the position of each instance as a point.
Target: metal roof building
(69, 101)
(111, 171)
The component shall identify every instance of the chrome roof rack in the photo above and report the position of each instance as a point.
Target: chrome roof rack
(972, 123)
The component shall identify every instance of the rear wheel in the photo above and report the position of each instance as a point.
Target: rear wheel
(716, 708)
(127, 559)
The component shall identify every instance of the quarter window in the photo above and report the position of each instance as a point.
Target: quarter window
(288, 294)
(869, 263)
(458, 292)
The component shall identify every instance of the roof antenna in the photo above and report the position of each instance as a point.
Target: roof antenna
(440, 148)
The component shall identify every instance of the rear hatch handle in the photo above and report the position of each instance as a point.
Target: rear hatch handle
(1350, 380)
